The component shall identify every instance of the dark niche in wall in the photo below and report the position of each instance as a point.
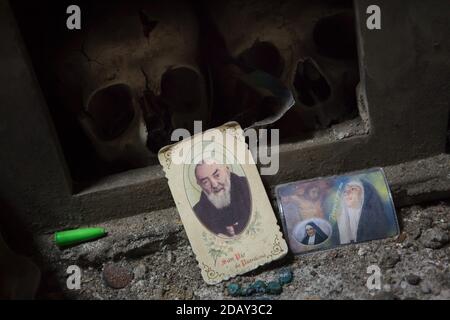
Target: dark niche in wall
(137, 70)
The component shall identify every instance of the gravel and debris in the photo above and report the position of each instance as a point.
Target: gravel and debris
(414, 265)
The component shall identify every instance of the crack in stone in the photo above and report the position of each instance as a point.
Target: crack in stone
(147, 82)
(88, 58)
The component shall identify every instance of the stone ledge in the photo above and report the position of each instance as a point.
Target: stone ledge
(128, 238)
(154, 246)
(147, 233)
(420, 181)
(414, 265)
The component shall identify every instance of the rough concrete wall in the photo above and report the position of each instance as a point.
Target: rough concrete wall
(33, 175)
(405, 69)
(407, 92)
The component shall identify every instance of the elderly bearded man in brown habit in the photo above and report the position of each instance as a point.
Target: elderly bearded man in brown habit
(225, 205)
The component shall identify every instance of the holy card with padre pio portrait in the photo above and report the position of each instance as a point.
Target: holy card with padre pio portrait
(326, 212)
(222, 203)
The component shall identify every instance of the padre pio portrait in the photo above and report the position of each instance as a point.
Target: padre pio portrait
(224, 206)
(222, 203)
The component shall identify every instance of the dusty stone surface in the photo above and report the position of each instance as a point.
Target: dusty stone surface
(412, 265)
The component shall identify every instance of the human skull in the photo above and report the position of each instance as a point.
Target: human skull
(140, 73)
(135, 67)
(291, 40)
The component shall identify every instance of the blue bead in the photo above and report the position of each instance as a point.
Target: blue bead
(286, 276)
(259, 286)
(234, 289)
(274, 287)
(248, 291)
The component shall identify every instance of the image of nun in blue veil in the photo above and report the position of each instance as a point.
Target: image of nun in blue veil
(363, 215)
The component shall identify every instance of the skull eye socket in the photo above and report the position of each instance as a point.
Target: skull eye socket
(264, 56)
(111, 110)
(310, 85)
(182, 88)
(183, 91)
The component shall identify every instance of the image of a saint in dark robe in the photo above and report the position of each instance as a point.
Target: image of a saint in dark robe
(225, 203)
(314, 235)
(362, 216)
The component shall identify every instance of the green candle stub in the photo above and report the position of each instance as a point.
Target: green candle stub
(71, 237)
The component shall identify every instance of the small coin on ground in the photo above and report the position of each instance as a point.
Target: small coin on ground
(117, 277)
